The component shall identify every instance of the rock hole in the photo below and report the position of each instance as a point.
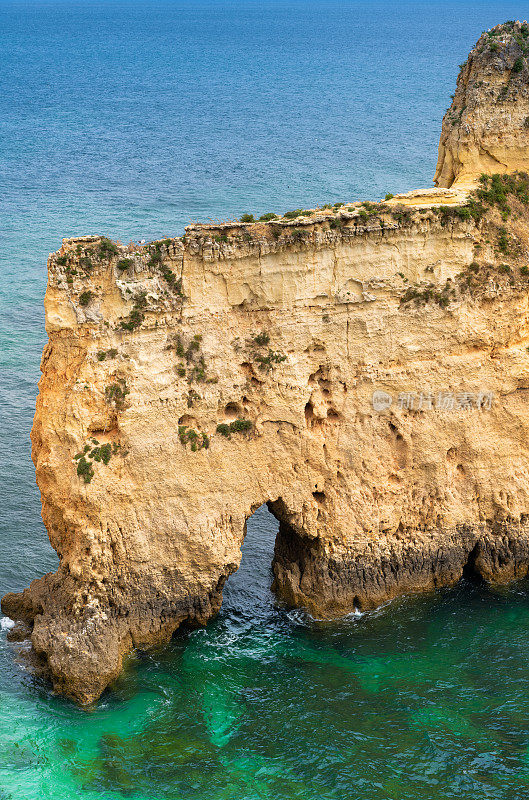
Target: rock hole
(309, 413)
(470, 571)
(319, 497)
(188, 420)
(232, 411)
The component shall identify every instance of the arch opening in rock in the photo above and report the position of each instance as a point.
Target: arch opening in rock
(277, 559)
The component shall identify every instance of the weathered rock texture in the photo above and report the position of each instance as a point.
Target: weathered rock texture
(187, 382)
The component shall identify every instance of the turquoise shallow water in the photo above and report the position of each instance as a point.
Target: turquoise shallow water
(131, 119)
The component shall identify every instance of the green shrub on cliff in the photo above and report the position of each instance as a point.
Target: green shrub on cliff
(261, 339)
(197, 439)
(85, 470)
(102, 453)
(124, 263)
(107, 248)
(267, 217)
(247, 218)
(85, 298)
(237, 426)
(116, 393)
(267, 362)
(240, 426)
(86, 264)
(297, 234)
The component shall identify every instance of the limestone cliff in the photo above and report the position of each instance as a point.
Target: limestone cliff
(363, 369)
(486, 128)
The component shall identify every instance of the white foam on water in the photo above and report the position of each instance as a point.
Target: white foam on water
(6, 624)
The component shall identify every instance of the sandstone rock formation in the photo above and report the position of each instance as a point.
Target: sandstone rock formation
(486, 128)
(363, 370)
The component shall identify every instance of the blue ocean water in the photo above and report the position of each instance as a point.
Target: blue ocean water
(132, 119)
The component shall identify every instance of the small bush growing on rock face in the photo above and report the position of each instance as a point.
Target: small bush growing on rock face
(524, 270)
(240, 425)
(402, 215)
(155, 258)
(335, 223)
(98, 453)
(261, 339)
(504, 242)
(86, 264)
(298, 212)
(133, 321)
(107, 248)
(85, 298)
(197, 440)
(102, 453)
(103, 354)
(179, 347)
(237, 426)
(136, 316)
(247, 218)
(171, 279)
(297, 234)
(116, 393)
(221, 239)
(62, 261)
(85, 469)
(389, 196)
(267, 217)
(124, 263)
(267, 362)
(518, 65)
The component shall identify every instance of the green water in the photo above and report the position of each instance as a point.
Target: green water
(427, 697)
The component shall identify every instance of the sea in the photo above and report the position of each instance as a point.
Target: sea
(132, 119)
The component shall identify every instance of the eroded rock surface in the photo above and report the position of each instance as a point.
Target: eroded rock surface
(364, 370)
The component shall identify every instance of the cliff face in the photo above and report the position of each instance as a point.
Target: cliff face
(364, 370)
(486, 128)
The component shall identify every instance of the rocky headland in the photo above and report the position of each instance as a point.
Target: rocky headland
(362, 368)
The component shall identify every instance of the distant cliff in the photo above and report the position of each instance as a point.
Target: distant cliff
(486, 128)
(363, 369)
